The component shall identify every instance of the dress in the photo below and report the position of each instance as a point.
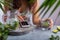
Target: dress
(14, 13)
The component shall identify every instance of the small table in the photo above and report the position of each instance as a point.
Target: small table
(36, 34)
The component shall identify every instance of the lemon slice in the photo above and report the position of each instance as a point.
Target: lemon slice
(58, 28)
(55, 31)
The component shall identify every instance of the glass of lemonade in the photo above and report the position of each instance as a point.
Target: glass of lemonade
(45, 25)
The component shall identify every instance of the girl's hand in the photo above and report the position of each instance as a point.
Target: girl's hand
(50, 22)
(22, 18)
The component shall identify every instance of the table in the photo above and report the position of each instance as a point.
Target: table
(36, 34)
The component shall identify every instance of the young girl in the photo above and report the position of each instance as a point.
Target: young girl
(27, 10)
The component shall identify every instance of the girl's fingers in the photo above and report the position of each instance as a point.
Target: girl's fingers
(20, 18)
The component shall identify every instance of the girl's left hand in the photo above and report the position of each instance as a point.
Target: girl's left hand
(50, 22)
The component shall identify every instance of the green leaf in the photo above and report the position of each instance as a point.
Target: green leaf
(2, 8)
(43, 5)
(5, 37)
(57, 38)
(6, 3)
(0, 34)
(57, 17)
(15, 25)
(46, 5)
(57, 5)
(0, 23)
(51, 3)
(58, 14)
(52, 37)
(2, 28)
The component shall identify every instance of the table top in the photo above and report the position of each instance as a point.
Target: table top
(36, 34)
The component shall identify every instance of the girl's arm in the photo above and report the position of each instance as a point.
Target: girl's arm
(36, 17)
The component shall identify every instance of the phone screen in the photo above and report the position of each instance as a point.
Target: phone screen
(24, 23)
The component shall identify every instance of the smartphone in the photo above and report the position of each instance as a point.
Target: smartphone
(24, 24)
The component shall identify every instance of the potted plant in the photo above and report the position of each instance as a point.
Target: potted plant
(6, 28)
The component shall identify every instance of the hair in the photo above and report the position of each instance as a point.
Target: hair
(17, 3)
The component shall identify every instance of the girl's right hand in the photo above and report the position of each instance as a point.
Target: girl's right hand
(20, 18)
